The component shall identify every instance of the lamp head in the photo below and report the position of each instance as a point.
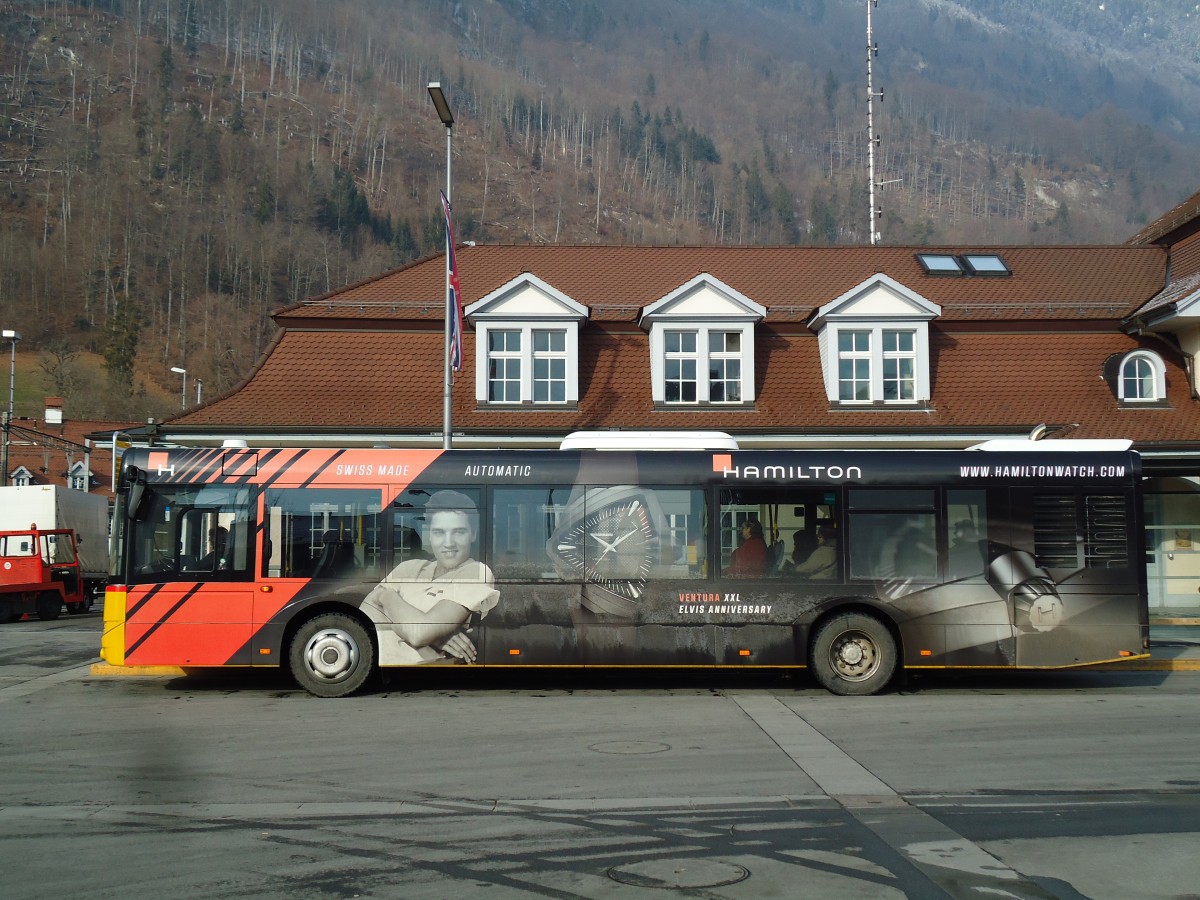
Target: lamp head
(440, 103)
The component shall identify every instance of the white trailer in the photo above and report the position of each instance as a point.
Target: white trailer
(49, 506)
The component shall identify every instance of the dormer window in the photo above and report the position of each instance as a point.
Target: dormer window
(877, 363)
(1142, 378)
(77, 477)
(702, 344)
(22, 477)
(527, 345)
(874, 343)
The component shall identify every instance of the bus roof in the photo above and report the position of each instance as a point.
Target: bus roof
(648, 440)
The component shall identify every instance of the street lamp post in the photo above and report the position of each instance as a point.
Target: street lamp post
(183, 390)
(12, 337)
(443, 110)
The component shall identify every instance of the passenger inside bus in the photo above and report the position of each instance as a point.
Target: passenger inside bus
(822, 563)
(749, 560)
(803, 544)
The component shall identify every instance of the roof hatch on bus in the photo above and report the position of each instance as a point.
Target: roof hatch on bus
(648, 440)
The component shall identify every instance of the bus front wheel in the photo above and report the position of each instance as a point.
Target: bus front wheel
(331, 655)
(853, 654)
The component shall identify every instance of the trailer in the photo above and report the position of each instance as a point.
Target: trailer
(40, 573)
(48, 507)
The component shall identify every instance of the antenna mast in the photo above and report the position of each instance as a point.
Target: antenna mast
(872, 138)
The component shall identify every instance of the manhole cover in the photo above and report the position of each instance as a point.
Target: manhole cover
(680, 874)
(629, 747)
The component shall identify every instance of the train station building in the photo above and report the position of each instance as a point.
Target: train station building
(899, 347)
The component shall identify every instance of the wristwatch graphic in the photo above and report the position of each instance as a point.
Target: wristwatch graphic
(611, 541)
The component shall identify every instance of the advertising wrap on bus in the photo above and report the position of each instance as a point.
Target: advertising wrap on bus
(856, 564)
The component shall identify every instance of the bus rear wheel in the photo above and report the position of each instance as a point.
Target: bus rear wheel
(853, 654)
(331, 655)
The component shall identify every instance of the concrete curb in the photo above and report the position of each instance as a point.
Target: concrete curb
(1151, 665)
(105, 670)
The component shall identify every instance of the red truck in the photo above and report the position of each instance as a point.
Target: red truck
(40, 573)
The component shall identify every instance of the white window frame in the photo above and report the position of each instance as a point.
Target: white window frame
(1157, 376)
(898, 355)
(855, 355)
(525, 358)
(724, 358)
(550, 356)
(508, 358)
(703, 356)
(21, 477)
(878, 356)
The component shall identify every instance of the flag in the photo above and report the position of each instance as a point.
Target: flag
(456, 323)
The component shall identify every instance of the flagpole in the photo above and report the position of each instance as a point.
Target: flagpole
(447, 117)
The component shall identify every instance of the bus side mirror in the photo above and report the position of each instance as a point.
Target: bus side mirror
(137, 493)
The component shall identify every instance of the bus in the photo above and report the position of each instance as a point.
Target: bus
(858, 565)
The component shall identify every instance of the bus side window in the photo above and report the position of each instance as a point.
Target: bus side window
(523, 521)
(893, 535)
(790, 523)
(327, 533)
(966, 538)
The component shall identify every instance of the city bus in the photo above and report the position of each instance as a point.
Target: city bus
(859, 565)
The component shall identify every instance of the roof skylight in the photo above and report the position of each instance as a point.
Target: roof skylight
(940, 263)
(963, 264)
(986, 264)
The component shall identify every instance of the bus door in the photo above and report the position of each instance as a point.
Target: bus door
(601, 574)
(190, 576)
(780, 557)
(529, 551)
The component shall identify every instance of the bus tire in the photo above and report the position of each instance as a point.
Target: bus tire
(331, 655)
(853, 654)
(49, 606)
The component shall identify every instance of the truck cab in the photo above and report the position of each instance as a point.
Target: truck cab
(40, 573)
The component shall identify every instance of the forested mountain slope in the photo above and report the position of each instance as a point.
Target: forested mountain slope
(173, 170)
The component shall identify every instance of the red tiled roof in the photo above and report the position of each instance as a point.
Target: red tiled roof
(35, 447)
(391, 381)
(616, 282)
(1174, 292)
(1172, 220)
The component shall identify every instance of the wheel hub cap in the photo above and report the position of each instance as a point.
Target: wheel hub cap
(329, 655)
(851, 653)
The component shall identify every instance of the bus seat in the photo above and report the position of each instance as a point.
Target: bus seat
(337, 556)
(774, 558)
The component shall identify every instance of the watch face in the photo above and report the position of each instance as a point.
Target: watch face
(613, 547)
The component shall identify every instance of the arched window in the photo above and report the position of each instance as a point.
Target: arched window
(1143, 378)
